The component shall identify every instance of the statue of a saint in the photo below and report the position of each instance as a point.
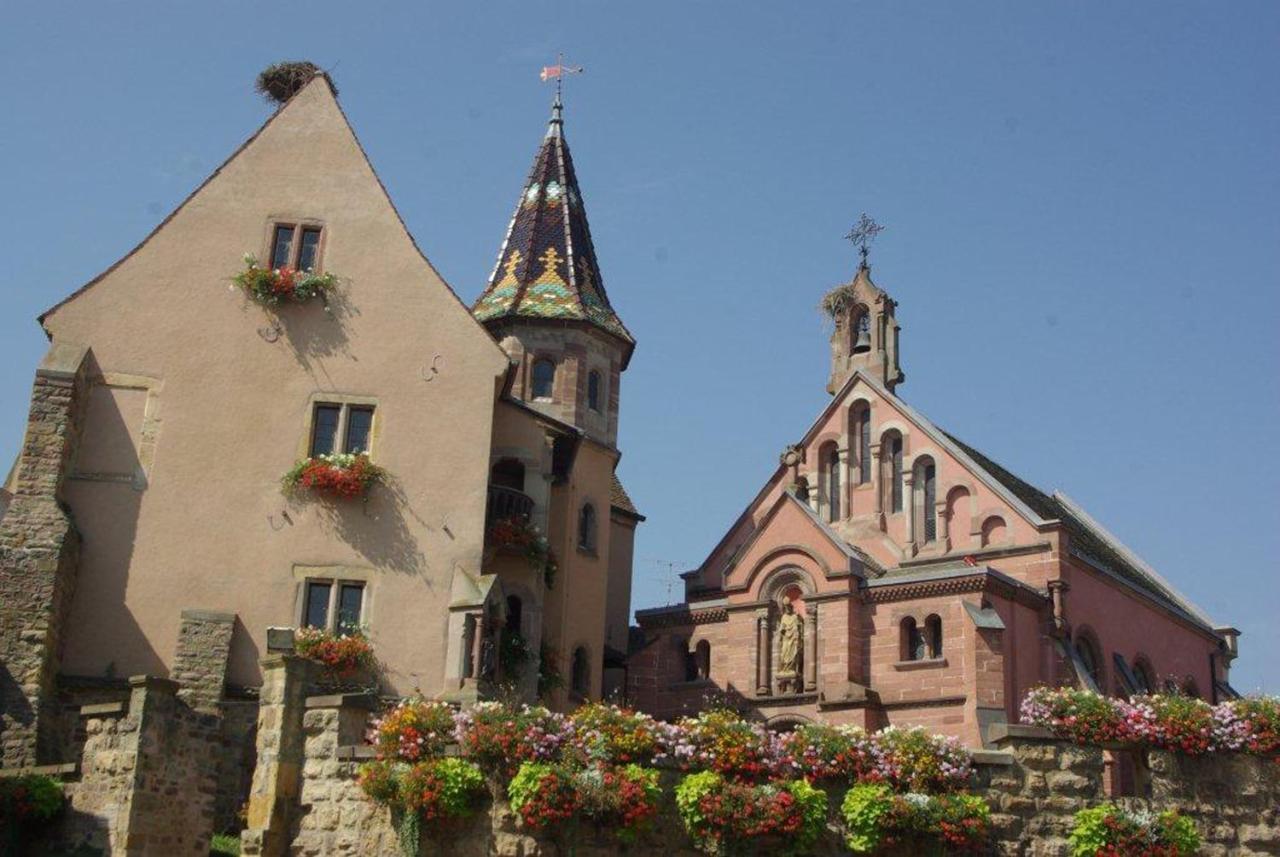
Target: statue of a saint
(790, 631)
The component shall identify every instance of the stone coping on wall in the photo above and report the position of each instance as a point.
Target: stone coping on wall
(367, 701)
(67, 769)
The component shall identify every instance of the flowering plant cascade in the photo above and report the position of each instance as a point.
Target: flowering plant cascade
(28, 805)
(607, 733)
(342, 475)
(839, 753)
(432, 793)
(721, 815)
(875, 816)
(1112, 831)
(499, 738)
(519, 534)
(413, 730)
(721, 741)
(1168, 721)
(272, 286)
(623, 798)
(916, 761)
(342, 655)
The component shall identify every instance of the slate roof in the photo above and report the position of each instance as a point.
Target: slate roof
(547, 265)
(1086, 540)
(620, 500)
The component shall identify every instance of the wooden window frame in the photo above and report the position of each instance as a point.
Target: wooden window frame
(533, 382)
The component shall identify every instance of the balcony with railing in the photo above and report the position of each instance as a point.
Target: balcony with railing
(507, 504)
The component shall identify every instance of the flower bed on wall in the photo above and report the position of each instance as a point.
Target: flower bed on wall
(337, 475)
(1112, 831)
(1165, 721)
(743, 786)
(271, 286)
(875, 817)
(343, 656)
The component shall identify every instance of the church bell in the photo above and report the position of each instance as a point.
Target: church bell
(863, 344)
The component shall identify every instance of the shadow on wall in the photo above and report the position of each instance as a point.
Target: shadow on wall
(245, 655)
(378, 529)
(104, 493)
(318, 329)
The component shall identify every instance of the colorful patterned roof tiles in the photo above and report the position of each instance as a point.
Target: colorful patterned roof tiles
(547, 265)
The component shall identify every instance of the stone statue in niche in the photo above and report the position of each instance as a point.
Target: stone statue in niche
(790, 637)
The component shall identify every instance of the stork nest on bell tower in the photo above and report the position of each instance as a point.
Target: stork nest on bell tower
(839, 301)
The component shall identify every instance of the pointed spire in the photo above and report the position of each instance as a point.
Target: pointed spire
(547, 264)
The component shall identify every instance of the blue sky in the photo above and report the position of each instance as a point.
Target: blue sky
(1083, 231)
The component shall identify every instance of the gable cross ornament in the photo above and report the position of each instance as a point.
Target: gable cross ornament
(863, 233)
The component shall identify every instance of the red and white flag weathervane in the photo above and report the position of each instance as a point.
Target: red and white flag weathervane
(558, 71)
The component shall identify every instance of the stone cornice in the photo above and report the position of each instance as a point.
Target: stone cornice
(979, 581)
(677, 617)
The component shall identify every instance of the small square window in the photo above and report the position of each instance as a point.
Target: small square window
(336, 606)
(337, 427)
(296, 247)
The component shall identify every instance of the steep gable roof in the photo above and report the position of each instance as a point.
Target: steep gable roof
(620, 500)
(547, 265)
(330, 94)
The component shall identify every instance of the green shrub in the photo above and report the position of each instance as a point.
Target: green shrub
(722, 815)
(1112, 830)
(873, 815)
(224, 845)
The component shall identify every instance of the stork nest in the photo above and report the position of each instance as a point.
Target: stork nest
(281, 81)
(838, 301)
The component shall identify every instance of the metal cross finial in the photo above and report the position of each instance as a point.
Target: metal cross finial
(863, 233)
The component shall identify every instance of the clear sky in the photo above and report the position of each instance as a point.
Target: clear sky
(1083, 231)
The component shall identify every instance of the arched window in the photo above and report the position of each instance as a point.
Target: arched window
(1143, 676)
(912, 645)
(580, 675)
(587, 527)
(544, 378)
(891, 470)
(1090, 660)
(830, 463)
(702, 659)
(933, 635)
(925, 488)
(593, 391)
(862, 432)
(508, 473)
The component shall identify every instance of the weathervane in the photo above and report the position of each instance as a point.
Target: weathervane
(557, 72)
(863, 233)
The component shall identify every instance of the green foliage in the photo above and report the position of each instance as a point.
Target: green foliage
(430, 793)
(1111, 829)
(722, 815)
(29, 803)
(224, 845)
(409, 833)
(689, 794)
(864, 809)
(543, 794)
(549, 676)
(812, 803)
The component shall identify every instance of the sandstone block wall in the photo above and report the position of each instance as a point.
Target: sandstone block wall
(39, 550)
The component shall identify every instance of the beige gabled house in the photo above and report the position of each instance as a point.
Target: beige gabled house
(146, 531)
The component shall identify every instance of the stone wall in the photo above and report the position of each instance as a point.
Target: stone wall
(148, 775)
(1034, 783)
(39, 550)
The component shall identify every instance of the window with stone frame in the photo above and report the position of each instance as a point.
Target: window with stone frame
(912, 643)
(933, 635)
(296, 245)
(336, 606)
(862, 432)
(341, 427)
(891, 450)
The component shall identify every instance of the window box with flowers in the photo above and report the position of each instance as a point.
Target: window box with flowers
(346, 658)
(335, 475)
(273, 286)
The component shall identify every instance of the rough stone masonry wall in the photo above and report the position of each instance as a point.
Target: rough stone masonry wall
(39, 551)
(148, 775)
(1034, 783)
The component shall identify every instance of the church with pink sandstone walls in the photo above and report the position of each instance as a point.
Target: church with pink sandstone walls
(886, 573)
(889, 573)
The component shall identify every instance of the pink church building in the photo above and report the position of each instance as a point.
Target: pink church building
(932, 586)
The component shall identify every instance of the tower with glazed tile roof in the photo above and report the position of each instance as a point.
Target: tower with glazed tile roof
(546, 302)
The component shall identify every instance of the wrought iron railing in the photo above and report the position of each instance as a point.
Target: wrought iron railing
(507, 503)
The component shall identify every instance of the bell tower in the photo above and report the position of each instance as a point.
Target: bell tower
(866, 331)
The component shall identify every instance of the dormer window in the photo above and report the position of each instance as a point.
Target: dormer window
(294, 246)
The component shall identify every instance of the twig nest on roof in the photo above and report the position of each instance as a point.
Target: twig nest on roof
(281, 81)
(838, 301)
